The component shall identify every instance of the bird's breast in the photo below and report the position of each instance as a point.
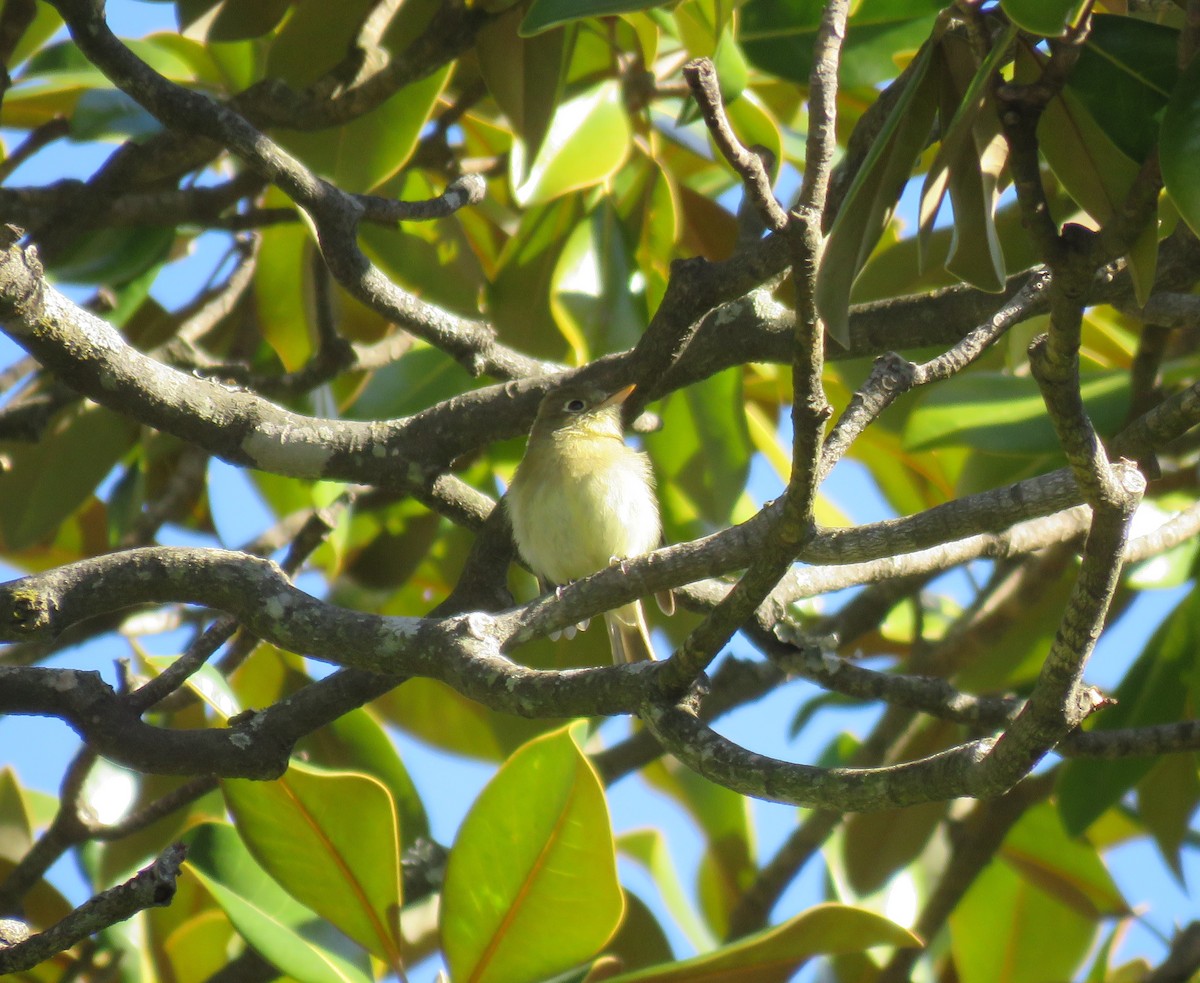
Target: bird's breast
(576, 507)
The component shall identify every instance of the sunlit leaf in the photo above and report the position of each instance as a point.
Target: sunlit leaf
(356, 741)
(331, 840)
(198, 948)
(1065, 867)
(1005, 413)
(536, 843)
(773, 956)
(587, 141)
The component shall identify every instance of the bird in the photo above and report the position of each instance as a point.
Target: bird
(581, 500)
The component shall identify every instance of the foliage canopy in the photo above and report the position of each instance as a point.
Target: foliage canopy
(415, 217)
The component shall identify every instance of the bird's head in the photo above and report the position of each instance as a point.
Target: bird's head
(583, 409)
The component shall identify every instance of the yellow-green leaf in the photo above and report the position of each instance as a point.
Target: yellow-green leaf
(331, 840)
(587, 142)
(531, 885)
(288, 935)
(774, 956)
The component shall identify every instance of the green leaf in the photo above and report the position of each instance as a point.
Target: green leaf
(967, 163)
(702, 454)
(727, 867)
(1179, 145)
(524, 75)
(364, 153)
(590, 297)
(1154, 691)
(1049, 18)
(1172, 568)
(873, 195)
(283, 931)
(517, 296)
(356, 741)
(1066, 867)
(199, 947)
(330, 840)
(16, 831)
(588, 141)
(1167, 800)
(640, 941)
(778, 35)
(649, 848)
(46, 23)
(1006, 929)
(1124, 76)
(113, 256)
(536, 850)
(207, 683)
(1093, 169)
(240, 20)
(282, 290)
(774, 956)
(545, 14)
(418, 379)
(48, 481)
(1005, 414)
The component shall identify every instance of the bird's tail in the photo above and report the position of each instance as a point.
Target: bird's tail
(627, 634)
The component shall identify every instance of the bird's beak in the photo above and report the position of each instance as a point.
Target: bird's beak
(617, 398)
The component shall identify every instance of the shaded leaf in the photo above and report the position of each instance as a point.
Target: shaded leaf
(1092, 169)
(1124, 76)
(1179, 145)
(239, 20)
(1153, 691)
(545, 14)
(649, 848)
(1036, 938)
(48, 481)
(727, 866)
(1049, 18)
(524, 75)
(778, 36)
(873, 195)
(285, 933)
(1167, 800)
(702, 454)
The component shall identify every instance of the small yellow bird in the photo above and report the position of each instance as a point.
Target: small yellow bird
(581, 500)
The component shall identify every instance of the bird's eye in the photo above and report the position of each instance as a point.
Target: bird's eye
(575, 405)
